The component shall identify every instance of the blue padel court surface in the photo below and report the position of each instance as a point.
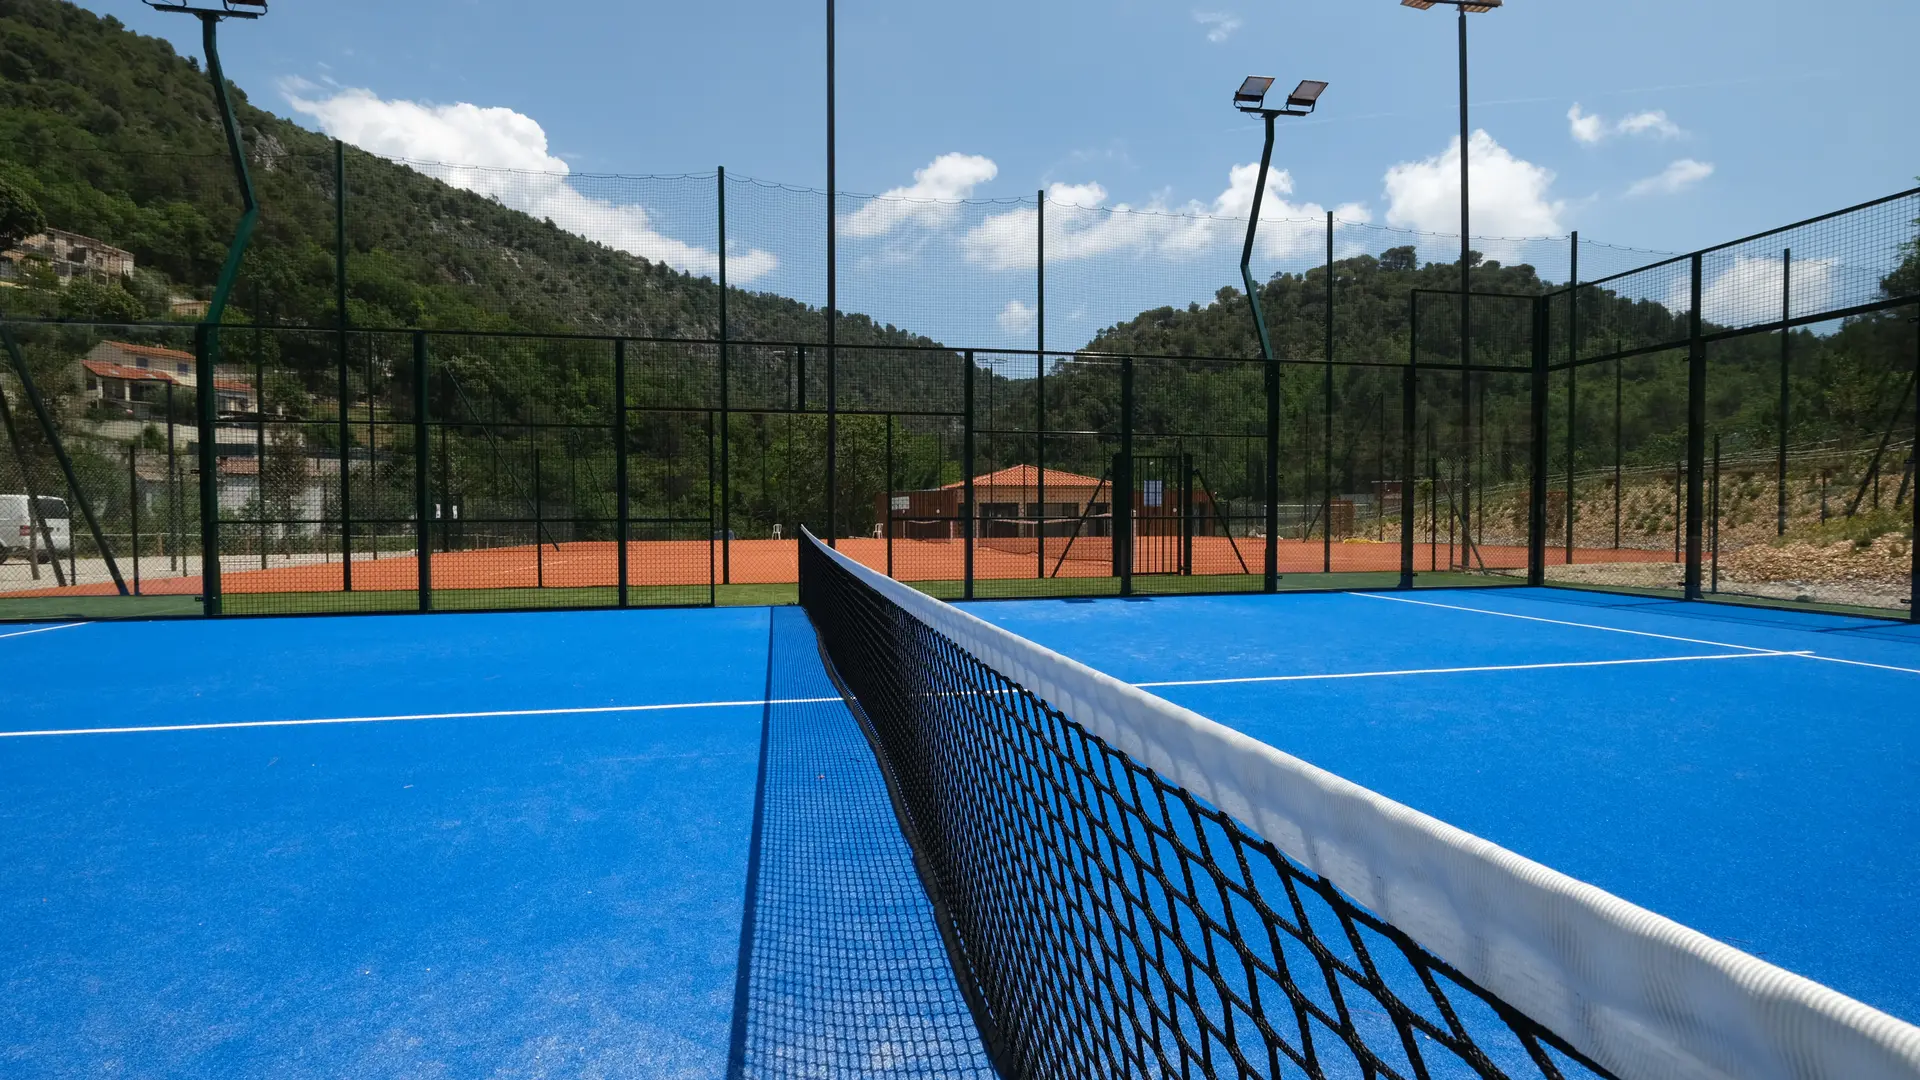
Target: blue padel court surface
(1754, 774)
(655, 843)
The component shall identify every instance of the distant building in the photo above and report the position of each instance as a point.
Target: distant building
(136, 377)
(70, 255)
(1008, 507)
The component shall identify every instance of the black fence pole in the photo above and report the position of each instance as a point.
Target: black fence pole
(1040, 385)
(1619, 380)
(1409, 482)
(206, 341)
(35, 516)
(967, 512)
(622, 500)
(66, 463)
(340, 348)
(422, 493)
(174, 540)
(259, 428)
(1786, 362)
(726, 457)
(1537, 466)
(1409, 430)
(1715, 511)
(1913, 543)
(1326, 428)
(1696, 432)
(1573, 418)
(889, 493)
(133, 510)
(539, 527)
(1123, 489)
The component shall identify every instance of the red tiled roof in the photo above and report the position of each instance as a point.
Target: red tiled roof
(1026, 476)
(151, 352)
(232, 384)
(106, 369)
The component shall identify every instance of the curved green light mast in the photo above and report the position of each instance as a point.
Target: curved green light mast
(210, 13)
(1251, 99)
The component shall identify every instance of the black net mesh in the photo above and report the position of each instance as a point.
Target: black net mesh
(1109, 923)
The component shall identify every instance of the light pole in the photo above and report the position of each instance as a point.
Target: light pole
(1465, 7)
(1251, 99)
(210, 12)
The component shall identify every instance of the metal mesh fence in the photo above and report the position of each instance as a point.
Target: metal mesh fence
(555, 403)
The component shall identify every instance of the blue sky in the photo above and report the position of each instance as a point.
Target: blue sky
(1698, 121)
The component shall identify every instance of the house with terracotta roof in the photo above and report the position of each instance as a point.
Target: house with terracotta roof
(1027, 501)
(135, 379)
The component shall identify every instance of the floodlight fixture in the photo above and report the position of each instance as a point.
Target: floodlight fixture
(1252, 92)
(1306, 95)
(1476, 7)
(213, 9)
(1252, 96)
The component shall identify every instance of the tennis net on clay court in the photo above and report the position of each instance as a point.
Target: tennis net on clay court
(1127, 889)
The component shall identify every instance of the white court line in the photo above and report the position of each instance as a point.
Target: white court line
(1807, 654)
(1465, 670)
(42, 630)
(591, 710)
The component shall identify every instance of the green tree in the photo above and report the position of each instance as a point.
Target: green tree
(20, 215)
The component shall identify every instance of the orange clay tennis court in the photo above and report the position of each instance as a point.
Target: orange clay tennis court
(588, 564)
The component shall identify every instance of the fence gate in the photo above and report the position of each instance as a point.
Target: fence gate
(1162, 514)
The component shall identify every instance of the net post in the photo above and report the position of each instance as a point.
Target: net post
(622, 501)
(726, 459)
(1123, 488)
(1696, 433)
(1537, 452)
(967, 514)
(340, 355)
(422, 494)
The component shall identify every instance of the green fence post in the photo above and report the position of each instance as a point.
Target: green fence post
(340, 348)
(1537, 465)
(622, 501)
(422, 494)
(1409, 430)
(207, 344)
(726, 455)
(1696, 433)
(1123, 485)
(1786, 362)
(967, 513)
(1040, 384)
(133, 511)
(1326, 432)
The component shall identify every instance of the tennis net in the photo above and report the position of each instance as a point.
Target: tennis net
(1126, 889)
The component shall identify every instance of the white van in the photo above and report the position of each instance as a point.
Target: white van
(20, 534)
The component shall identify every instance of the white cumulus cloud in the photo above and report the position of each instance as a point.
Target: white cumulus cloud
(1653, 123)
(1510, 197)
(1220, 25)
(1748, 290)
(1674, 179)
(931, 200)
(1592, 128)
(1082, 225)
(503, 154)
(1016, 317)
(1586, 127)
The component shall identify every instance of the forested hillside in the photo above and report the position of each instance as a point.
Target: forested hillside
(115, 136)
